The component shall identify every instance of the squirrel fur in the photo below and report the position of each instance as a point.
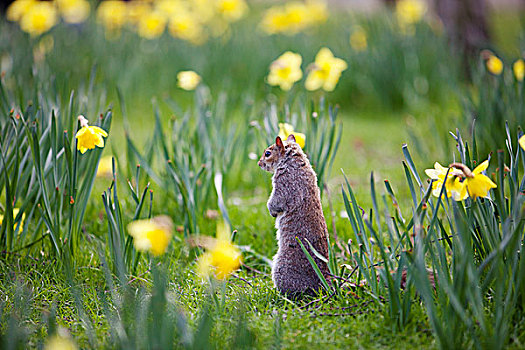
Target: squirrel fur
(295, 202)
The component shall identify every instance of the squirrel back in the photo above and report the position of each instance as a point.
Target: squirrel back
(295, 202)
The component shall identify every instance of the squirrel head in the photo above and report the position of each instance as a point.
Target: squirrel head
(277, 152)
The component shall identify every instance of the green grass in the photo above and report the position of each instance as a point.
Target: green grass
(355, 320)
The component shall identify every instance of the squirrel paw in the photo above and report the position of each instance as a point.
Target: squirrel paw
(274, 213)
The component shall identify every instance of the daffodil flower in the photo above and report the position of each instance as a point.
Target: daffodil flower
(39, 18)
(222, 258)
(153, 235)
(15, 213)
(74, 11)
(152, 24)
(519, 69)
(358, 39)
(187, 25)
(285, 70)
(220, 261)
(478, 184)
(274, 21)
(18, 9)
(188, 80)
(286, 130)
(113, 15)
(294, 17)
(494, 65)
(454, 186)
(409, 12)
(232, 10)
(522, 142)
(325, 71)
(89, 136)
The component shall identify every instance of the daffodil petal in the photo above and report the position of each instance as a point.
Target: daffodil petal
(481, 168)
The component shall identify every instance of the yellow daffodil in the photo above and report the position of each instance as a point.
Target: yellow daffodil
(151, 25)
(89, 136)
(171, 7)
(285, 70)
(59, 342)
(222, 258)
(188, 80)
(410, 11)
(74, 11)
(296, 16)
(18, 9)
(39, 18)
(286, 130)
(478, 185)
(105, 167)
(187, 26)
(494, 65)
(358, 39)
(293, 17)
(274, 21)
(454, 186)
(153, 235)
(113, 15)
(522, 142)
(135, 10)
(325, 71)
(519, 69)
(204, 9)
(15, 213)
(317, 11)
(232, 10)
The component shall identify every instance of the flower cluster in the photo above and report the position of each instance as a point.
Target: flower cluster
(323, 73)
(189, 20)
(294, 17)
(152, 235)
(460, 182)
(495, 66)
(37, 17)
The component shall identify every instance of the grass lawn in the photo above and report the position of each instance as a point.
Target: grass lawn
(353, 320)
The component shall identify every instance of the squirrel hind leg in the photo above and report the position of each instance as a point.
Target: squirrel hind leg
(294, 286)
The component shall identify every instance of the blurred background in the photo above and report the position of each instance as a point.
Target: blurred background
(415, 69)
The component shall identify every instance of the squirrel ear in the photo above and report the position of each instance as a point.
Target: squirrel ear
(279, 142)
(291, 138)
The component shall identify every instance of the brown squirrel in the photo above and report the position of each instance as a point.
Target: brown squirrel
(295, 202)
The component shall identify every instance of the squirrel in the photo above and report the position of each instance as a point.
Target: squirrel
(295, 202)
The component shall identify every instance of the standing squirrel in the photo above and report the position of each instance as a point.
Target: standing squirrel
(295, 202)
